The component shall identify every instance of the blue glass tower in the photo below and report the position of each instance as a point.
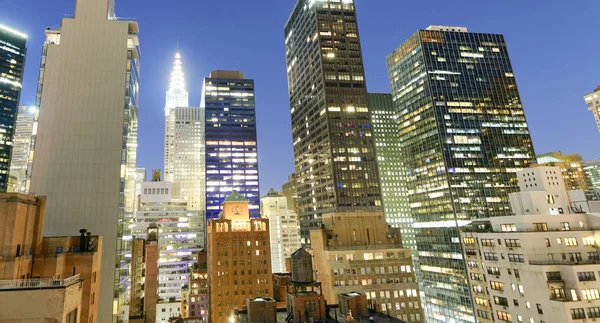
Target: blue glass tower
(231, 151)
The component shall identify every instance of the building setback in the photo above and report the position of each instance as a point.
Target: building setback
(87, 134)
(391, 170)
(464, 135)
(12, 64)
(334, 151)
(231, 150)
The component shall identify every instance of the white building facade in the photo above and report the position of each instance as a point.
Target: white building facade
(87, 134)
(284, 228)
(181, 235)
(537, 267)
(23, 147)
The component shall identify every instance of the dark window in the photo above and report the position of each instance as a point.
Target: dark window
(586, 276)
(577, 313)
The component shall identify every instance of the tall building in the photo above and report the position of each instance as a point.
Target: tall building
(177, 96)
(570, 166)
(86, 143)
(239, 260)
(23, 147)
(359, 253)
(291, 193)
(592, 102)
(534, 267)
(391, 171)
(283, 226)
(463, 136)
(59, 276)
(334, 151)
(181, 235)
(12, 64)
(230, 136)
(591, 169)
(188, 156)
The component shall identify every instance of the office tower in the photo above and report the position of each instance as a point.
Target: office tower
(592, 102)
(464, 135)
(239, 258)
(334, 151)
(570, 166)
(591, 169)
(534, 267)
(359, 252)
(12, 64)
(88, 97)
(188, 156)
(45, 278)
(181, 235)
(177, 96)
(23, 147)
(231, 153)
(391, 172)
(283, 226)
(291, 193)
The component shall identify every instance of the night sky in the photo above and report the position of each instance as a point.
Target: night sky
(553, 45)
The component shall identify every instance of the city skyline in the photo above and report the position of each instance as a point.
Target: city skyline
(380, 34)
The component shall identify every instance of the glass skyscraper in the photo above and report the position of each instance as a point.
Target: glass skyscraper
(391, 170)
(463, 136)
(334, 151)
(230, 137)
(12, 63)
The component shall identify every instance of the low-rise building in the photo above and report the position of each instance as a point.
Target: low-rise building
(359, 252)
(198, 298)
(570, 166)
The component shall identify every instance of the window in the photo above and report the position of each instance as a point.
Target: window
(586, 276)
(512, 243)
(508, 227)
(516, 302)
(515, 257)
(565, 226)
(571, 242)
(487, 242)
(504, 316)
(72, 317)
(540, 226)
(59, 249)
(469, 240)
(475, 276)
(593, 312)
(310, 306)
(500, 301)
(497, 285)
(557, 293)
(493, 271)
(548, 243)
(550, 199)
(553, 276)
(482, 301)
(577, 313)
(483, 314)
(589, 294)
(593, 255)
(539, 308)
(490, 256)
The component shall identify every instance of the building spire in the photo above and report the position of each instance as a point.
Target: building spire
(177, 95)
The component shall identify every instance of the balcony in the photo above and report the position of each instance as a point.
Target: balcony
(39, 283)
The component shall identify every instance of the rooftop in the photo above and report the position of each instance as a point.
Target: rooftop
(236, 197)
(38, 283)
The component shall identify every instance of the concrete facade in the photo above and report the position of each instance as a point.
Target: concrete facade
(358, 252)
(87, 131)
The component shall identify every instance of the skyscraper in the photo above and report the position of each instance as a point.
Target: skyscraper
(12, 64)
(463, 137)
(334, 151)
(592, 102)
(591, 169)
(177, 96)
(87, 132)
(393, 178)
(188, 156)
(23, 146)
(231, 151)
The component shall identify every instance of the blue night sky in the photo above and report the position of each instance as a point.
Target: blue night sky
(553, 45)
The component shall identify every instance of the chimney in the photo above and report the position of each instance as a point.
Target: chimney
(82, 240)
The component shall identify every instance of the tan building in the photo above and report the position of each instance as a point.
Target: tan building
(37, 262)
(358, 252)
(144, 277)
(571, 167)
(239, 260)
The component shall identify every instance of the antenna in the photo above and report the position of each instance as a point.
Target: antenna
(177, 43)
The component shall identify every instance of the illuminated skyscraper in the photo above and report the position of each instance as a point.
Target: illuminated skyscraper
(87, 135)
(391, 170)
(592, 101)
(12, 64)
(334, 151)
(177, 96)
(231, 151)
(463, 137)
(23, 147)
